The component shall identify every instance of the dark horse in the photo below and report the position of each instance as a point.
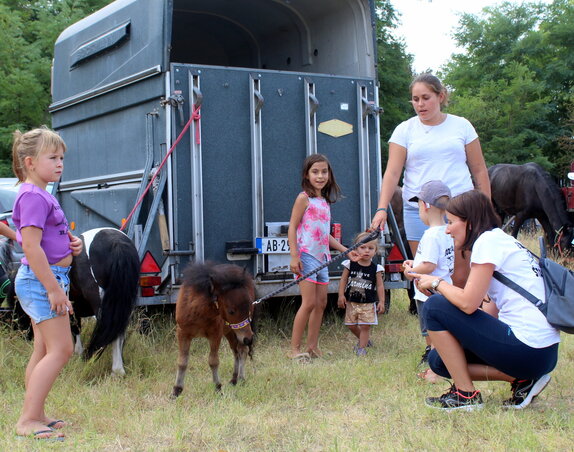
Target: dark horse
(103, 283)
(214, 301)
(527, 191)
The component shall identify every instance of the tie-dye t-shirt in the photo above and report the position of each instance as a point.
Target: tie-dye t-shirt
(313, 231)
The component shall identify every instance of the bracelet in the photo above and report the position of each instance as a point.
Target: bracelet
(381, 208)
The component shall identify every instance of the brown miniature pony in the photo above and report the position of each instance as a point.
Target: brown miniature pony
(214, 300)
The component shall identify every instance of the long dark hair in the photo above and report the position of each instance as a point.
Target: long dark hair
(331, 191)
(477, 210)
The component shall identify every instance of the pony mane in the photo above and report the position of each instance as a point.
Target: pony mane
(229, 277)
(202, 276)
(550, 192)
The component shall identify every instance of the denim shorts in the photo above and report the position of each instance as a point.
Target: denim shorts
(310, 263)
(414, 226)
(32, 295)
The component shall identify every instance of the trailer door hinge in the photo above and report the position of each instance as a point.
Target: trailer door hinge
(175, 100)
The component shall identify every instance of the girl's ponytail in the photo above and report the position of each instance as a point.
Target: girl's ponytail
(17, 165)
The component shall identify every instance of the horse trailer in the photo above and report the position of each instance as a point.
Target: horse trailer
(217, 102)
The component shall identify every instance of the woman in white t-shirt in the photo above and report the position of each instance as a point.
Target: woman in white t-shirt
(432, 145)
(509, 339)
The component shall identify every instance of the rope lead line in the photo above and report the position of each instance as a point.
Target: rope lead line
(372, 236)
(195, 116)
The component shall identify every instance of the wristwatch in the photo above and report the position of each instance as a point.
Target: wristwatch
(435, 283)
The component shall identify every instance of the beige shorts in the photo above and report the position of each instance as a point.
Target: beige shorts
(361, 314)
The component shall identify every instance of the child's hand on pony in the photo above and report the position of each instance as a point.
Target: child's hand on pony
(76, 244)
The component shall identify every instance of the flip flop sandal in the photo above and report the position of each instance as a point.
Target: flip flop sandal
(54, 424)
(302, 357)
(36, 435)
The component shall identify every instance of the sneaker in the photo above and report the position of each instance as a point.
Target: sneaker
(369, 344)
(454, 400)
(524, 391)
(361, 351)
(425, 356)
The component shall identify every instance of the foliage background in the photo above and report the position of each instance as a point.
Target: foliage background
(514, 82)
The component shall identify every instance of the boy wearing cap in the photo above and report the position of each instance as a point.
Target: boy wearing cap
(435, 252)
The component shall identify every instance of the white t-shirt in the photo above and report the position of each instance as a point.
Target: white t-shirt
(436, 247)
(515, 262)
(435, 152)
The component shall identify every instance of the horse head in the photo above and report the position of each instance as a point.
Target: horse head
(233, 291)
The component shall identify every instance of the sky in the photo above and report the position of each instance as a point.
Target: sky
(427, 27)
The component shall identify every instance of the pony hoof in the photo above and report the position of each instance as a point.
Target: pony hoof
(233, 381)
(177, 390)
(218, 387)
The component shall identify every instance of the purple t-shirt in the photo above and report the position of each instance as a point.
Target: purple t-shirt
(36, 207)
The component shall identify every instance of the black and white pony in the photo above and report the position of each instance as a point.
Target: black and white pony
(527, 191)
(104, 282)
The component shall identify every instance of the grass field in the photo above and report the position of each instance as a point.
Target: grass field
(336, 403)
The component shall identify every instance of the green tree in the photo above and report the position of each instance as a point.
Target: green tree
(30, 28)
(514, 81)
(394, 73)
(28, 31)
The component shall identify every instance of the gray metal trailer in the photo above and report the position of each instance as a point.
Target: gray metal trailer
(265, 83)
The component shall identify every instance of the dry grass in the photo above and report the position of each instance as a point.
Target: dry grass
(338, 403)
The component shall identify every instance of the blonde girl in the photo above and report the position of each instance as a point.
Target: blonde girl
(362, 292)
(42, 280)
(310, 241)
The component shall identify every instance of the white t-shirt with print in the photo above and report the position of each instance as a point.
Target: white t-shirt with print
(514, 261)
(436, 247)
(435, 153)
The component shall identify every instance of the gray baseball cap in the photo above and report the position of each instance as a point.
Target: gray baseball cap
(431, 192)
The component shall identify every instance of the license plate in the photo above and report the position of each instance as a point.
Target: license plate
(272, 245)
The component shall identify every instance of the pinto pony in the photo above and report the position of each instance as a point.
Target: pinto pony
(104, 282)
(214, 301)
(527, 191)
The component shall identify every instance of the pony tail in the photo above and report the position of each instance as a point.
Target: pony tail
(17, 165)
(119, 289)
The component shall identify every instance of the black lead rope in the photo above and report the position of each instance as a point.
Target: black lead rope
(372, 236)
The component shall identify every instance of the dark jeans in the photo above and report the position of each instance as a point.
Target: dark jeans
(486, 340)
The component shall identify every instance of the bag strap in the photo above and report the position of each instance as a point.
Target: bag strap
(520, 290)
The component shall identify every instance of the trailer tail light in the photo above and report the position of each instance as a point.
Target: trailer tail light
(395, 255)
(394, 261)
(147, 292)
(393, 268)
(149, 264)
(147, 281)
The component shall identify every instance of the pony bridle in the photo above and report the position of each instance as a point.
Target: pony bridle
(238, 326)
(233, 326)
(559, 234)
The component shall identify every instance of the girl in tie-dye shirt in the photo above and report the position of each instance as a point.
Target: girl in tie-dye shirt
(309, 242)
